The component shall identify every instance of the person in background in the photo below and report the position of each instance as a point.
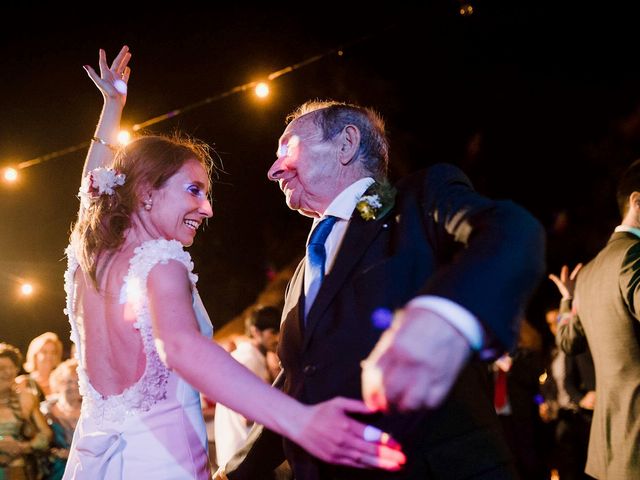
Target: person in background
(43, 355)
(569, 400)
(600, 309)
(516, 392)
(262, 328)
(23, 429)
(62, 410)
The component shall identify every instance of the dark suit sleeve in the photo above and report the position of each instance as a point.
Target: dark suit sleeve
(499, 251)
(261, 454)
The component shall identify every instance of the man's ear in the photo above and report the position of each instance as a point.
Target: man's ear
(349, 144)
(634, 201)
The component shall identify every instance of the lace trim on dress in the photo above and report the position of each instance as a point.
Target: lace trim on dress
(69, 274)
(151, 387)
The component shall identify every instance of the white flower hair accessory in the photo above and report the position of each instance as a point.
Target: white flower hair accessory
(99, 181)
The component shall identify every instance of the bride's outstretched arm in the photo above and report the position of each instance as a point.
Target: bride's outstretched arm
(325, 430)
(112, 83)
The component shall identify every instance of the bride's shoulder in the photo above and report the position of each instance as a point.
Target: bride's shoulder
(159, 251)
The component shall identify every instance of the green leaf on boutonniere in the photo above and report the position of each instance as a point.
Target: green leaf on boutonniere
(377, 200)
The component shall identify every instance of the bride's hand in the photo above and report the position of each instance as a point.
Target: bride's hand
(331, 435)
(112, 81)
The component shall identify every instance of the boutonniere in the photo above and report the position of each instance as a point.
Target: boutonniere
(377, 200)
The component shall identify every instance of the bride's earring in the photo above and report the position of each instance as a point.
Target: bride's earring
(148, 204)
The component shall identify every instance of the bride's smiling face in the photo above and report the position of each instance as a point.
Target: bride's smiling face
(180, 206)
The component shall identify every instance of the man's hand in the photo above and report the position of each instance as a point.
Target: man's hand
(415, 363)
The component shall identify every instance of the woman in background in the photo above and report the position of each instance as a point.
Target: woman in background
(62, 410)
(43, 355)
(23, 429)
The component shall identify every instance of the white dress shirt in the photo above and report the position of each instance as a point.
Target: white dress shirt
(627, 228)
(342, 207)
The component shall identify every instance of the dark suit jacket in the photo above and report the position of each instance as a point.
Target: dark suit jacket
(440, 238)
(607, 300)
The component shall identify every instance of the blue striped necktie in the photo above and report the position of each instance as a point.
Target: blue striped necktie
(316, 259)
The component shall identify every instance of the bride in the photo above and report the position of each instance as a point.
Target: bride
(142, 335)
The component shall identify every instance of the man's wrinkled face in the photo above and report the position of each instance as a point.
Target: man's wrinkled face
(306, 167)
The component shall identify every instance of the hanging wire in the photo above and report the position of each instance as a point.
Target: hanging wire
(179, 111)
(52, 155)
(232, 91)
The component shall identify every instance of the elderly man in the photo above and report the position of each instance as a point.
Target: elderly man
(456, 267)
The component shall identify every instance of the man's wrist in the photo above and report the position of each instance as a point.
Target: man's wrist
(455, 315)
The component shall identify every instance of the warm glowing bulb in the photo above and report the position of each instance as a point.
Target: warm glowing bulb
(26, 289)
(10, 174)
(124, 137)
(262, 90)
(466, 10)
(542, 378)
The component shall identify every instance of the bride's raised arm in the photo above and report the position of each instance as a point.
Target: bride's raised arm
(112, 83)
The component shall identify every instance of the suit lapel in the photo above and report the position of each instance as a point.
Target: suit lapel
(293, 312)
(359, 235)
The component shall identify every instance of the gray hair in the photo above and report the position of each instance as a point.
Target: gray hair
(332, 117)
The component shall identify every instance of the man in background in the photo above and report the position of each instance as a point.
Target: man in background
(257, 353)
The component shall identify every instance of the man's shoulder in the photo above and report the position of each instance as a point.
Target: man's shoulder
(430, 183)
(437, 173)
(622, 245)
(620, 254)
(632, 254)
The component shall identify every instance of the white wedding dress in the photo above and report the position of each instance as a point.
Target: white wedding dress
(154, 429)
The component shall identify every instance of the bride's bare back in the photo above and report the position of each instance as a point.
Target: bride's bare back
(113, 352)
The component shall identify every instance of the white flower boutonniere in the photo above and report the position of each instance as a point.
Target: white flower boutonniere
(377, 200)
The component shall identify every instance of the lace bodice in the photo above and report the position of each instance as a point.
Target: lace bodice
(151, 387)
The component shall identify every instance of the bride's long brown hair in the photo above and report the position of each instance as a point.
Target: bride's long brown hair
(147, 162)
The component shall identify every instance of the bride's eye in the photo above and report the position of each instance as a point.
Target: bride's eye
(195, 191)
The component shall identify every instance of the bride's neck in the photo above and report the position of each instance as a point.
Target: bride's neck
(139, 232)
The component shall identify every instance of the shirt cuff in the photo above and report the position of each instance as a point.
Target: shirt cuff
(459, 317)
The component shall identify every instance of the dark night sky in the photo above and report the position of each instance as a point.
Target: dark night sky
(536, 105)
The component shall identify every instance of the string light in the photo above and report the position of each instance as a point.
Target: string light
(26, 289)
(52, 155)
(262, 90)
(242, 88)
(466, 10)
(10, 174)
(124, 137)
